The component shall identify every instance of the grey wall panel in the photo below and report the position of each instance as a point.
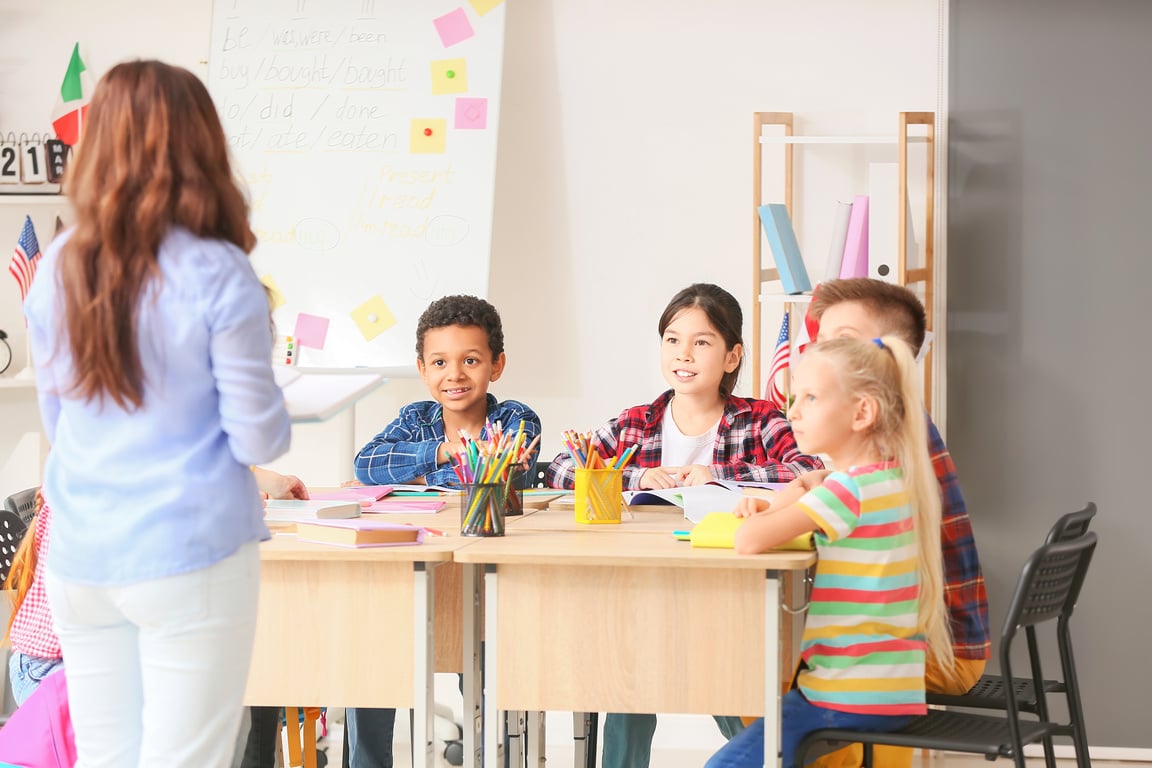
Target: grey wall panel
(1050, 311)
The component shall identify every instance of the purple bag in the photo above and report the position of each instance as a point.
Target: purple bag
(39, 733)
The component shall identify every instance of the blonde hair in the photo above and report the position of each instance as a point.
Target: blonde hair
(23, 569)
(884, 371)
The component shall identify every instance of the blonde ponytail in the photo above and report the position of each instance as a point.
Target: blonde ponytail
(910, 446)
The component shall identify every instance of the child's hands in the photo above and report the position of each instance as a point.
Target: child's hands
(657, 478)
(447, 450)
(752, 505)
(809, 480)
(692, 474)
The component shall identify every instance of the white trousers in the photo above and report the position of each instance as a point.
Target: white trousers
(157, 669)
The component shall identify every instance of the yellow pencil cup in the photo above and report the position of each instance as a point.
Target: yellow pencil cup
(599, 496)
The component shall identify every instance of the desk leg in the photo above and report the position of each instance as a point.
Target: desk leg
(584, 727)
(516, 731)
(491, 715)
(535, 733)
(773, 641)
(422, 709)
(473, 716)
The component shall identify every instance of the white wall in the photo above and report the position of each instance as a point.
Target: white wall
(624, 169)
(624, 172)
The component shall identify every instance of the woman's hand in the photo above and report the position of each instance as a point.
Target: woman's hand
(274, 485)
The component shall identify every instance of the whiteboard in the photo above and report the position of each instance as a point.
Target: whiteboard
(365, 133)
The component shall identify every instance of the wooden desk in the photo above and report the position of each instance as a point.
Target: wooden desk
(608, 620)
(391, 609)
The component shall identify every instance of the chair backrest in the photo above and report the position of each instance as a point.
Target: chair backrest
(1049, 584)
(12, 530)
(1072, 525)
(23, 503)
(538, 472)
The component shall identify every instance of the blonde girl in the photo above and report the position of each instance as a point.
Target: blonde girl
(877, 609)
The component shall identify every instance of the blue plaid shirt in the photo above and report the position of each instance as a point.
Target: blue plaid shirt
(406, 449)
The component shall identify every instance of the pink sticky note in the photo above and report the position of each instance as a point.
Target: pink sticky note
(453, 27)
(471, 113)
(311, 330)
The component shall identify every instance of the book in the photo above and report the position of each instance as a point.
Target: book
(855, 261)
(428, 506)
(364, 494)
(695, 500)
(296, 510)
(785, 249)
(359, 532)
(840, 221)
(718, 531)
(884, 221)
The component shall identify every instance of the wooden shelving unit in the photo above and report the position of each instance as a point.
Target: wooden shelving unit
(786, 140)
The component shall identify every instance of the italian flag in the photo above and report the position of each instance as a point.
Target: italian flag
(72, 106)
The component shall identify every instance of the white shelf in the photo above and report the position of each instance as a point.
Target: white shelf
(14, 383)
(785, 298)
(42, 198)
(890, 140)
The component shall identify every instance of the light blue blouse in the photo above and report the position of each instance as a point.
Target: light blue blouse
(164, 489)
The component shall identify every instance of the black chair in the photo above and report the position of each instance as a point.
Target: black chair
(988, 692)
(19, 509)
(538, 473)
(12, 530)
(23, 503)
(1047, 590)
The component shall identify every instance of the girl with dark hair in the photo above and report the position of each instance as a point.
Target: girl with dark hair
(698, 431)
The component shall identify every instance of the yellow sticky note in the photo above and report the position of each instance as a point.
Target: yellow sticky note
(449, 76)
(483, 6)
(373, 318)
(275, 298)
(428, 136)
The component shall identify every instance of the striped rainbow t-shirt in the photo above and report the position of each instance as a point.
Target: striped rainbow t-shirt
(861, 645)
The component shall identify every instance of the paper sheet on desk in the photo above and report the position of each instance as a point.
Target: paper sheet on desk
(698, 500)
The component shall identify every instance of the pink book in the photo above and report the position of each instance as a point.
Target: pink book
(855, 262)
(365, 494)
(359, 532)
(385, 506)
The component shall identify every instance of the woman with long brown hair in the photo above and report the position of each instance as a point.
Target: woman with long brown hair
(149, 331)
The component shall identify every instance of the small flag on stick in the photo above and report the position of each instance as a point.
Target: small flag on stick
(72, 105)
(780, 361)
(23, 266)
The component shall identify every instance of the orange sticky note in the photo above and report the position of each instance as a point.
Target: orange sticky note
(449, 76)
(428, 136)
(373, 318)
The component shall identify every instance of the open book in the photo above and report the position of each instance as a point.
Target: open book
(698, 500)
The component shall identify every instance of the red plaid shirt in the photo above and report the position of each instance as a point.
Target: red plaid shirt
(753, 442)
(964, 592)
(32, 629)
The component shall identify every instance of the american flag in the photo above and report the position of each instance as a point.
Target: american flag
(773, 391)
(23, 266)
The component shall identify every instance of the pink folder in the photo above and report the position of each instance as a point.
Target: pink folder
(855, 262)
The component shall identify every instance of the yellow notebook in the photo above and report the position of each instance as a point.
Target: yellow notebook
(718, 530)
